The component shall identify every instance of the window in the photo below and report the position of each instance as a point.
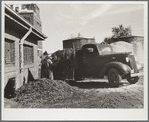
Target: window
(89, 50)
(105, 50)
(28, 54)
(9, 52)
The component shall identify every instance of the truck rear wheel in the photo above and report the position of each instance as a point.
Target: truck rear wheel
(114, 77)
(133, 80)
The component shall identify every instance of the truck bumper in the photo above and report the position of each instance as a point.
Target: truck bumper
(136, 74)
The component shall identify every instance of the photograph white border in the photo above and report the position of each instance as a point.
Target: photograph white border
(79, 114)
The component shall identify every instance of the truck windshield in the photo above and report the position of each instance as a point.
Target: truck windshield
(105, 50)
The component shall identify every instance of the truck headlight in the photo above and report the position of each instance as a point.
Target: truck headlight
(127, 59)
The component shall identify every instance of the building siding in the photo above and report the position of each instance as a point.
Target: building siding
(14, 71)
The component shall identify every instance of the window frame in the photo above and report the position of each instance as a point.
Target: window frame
(12, 53)
(26, 56)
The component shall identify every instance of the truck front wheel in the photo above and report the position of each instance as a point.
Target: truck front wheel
(133, 80)
(114, 77)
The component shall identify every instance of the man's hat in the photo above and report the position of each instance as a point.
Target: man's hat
(45, 53)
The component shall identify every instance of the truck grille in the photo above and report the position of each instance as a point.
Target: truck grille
(133, 63)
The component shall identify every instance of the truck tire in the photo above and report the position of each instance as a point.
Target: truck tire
(133, 80)
(114, 77)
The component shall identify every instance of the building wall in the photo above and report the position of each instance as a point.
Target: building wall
(40, 51)
(33, 19)
(138, 48)
(40, 44)
(14, 71)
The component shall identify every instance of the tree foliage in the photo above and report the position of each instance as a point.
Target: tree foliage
(107, 40)
(121, 31)
(118, 32)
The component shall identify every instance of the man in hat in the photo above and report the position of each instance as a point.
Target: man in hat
(49, 62)
(46, 66)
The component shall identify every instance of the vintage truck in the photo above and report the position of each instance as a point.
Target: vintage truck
(100, 60)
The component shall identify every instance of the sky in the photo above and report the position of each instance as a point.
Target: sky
(63, 21)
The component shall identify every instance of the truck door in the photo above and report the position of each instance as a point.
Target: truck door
(90, 55)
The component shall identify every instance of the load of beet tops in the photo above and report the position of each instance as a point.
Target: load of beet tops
(63, 62)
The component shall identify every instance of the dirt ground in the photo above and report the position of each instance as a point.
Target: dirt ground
(97, 94)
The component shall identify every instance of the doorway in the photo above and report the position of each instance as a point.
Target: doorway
(9, 91)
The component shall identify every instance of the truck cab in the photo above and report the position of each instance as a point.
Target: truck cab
(99, 60)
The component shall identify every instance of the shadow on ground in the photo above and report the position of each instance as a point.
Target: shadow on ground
(93, 85)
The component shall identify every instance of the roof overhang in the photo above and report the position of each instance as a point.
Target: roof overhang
(18, 23)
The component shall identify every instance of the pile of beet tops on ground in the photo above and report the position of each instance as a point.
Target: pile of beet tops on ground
(42, 93)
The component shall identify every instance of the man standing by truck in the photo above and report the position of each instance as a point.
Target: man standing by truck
(46, 67)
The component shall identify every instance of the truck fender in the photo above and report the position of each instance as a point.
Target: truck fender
(123, 68)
